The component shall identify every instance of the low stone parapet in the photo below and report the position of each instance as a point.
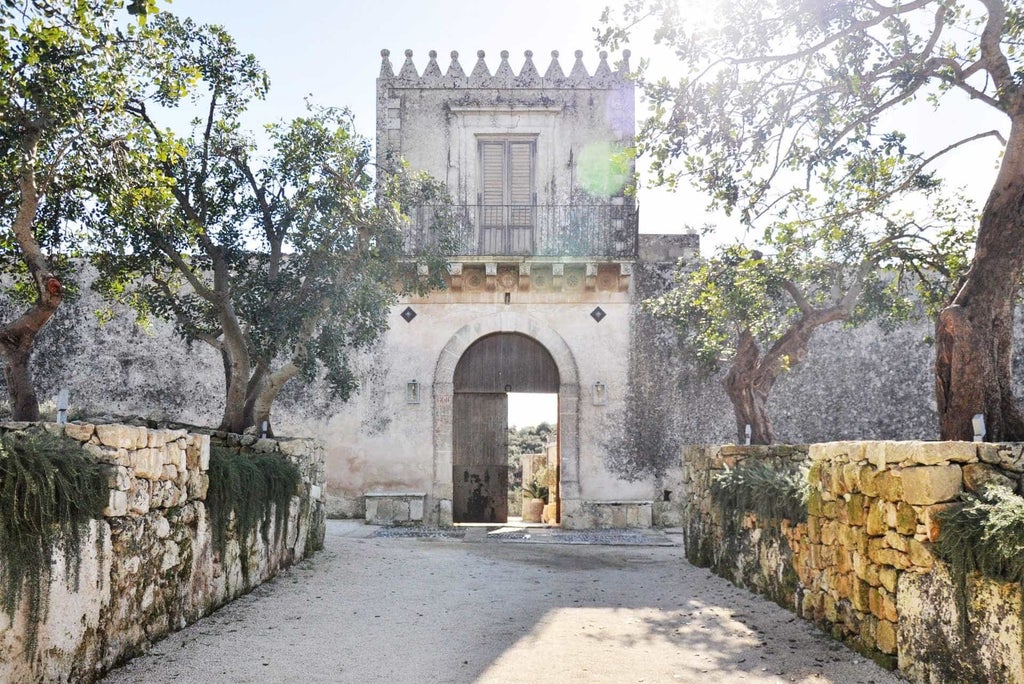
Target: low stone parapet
(861, 566)
(617, 514)
(148, 567)
(395, 508)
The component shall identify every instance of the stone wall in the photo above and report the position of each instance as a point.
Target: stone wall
(864, 383)
(861, 567)
(148, 567)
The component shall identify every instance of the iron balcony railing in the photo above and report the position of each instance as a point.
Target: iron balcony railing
(599, 230)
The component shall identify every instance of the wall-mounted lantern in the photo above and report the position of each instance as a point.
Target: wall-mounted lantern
(412, 392)
(600, 394)
(978, 423)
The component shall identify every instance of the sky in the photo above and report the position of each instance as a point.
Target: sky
(330, 50)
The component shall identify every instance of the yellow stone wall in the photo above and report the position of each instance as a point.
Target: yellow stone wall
(863, 565)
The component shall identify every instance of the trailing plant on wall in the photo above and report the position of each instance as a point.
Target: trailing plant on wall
(251, 486)
(50, 490)
(769, 492)
(984, 535)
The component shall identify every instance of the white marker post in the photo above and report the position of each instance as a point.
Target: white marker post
(978, 422)
(62, 407)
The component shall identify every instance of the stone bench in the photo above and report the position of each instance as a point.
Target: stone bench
(619, 514)
(395, 508)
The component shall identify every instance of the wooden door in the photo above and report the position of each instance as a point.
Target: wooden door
(480, 457)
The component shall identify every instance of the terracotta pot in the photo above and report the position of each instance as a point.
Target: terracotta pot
(533, 509)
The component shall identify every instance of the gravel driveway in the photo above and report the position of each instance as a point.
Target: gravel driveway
(448, 610)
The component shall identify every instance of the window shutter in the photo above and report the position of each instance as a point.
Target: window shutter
(520, 173)
(492, 167)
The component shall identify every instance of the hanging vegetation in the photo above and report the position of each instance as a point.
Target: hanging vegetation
(985, 535)
(50, 489)
(769, 492)
(251, 486)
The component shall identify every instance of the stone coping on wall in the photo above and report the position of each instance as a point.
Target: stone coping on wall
(149, 566)
(862, 566)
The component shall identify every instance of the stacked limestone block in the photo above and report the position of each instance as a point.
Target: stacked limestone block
(757, 556)
(869, 512)
(148, 567)
(863, 561)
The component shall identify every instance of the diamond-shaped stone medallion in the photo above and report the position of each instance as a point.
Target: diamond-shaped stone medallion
(409, 314)
(597, 314)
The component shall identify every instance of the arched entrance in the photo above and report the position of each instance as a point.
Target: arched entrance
(443, 392)
(487, 372)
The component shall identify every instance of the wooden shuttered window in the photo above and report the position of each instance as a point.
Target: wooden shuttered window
(506, 214)
(506, 172)
(492, 171)
(520, 173)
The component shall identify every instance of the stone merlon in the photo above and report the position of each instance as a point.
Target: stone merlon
(503, 77)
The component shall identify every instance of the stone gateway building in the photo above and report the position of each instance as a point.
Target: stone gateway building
(543, 296)
(538, 298)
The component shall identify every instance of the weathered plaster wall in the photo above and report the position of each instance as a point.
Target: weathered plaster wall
(398, 451)
(861, 567)
(149, 567)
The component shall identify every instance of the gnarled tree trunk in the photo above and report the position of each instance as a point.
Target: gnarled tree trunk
(747, 384)
(752, 375)
(237, 367)
(18, 337)
(974, 334)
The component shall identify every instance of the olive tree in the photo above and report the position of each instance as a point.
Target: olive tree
(771, 94)
(755, 310)
(64, 77)
(283, 256)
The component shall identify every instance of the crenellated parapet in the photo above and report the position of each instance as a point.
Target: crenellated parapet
(504, 77)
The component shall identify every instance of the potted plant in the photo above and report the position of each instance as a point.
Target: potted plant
(535, 495)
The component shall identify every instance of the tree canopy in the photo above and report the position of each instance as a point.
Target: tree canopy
(787, 103)
(283, 256)
(64, 78)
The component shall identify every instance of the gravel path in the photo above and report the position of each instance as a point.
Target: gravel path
(447, 610)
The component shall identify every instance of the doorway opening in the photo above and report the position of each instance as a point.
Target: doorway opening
(492, 370)
(533, 458)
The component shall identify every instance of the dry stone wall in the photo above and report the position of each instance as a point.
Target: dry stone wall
(149, 566)
(861, 566)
